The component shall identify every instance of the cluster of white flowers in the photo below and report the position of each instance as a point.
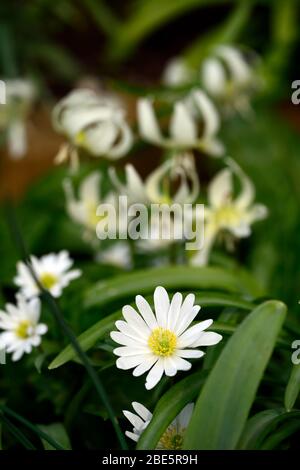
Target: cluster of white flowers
(20, 323)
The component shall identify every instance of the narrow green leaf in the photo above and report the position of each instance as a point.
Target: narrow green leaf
(293, 388)
(57, 432)
(168, 407)
(174, 277)
(227, 396)
(257, 428)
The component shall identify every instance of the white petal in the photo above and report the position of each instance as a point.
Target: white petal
(162, 305)
(135, 420)
(130, 329)
(149, 361)
(213, 76)
(146, 312)
(126, 340)
(148, 125)
(124, 142)
(187, 319)
(247, 194)
(240, 70)
(189, 353)
(126, 363)
(170, 366)
(90, 188)
(183, 128)
(134, 320)
(142, 411)
(127, 351)
(174, 310)
(208, 338)
(220, 189)
(182, 364)
(131, 435)
(154, 375)
(192, 334)
(209, 113)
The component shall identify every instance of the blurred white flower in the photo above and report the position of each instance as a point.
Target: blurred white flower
(83, 209)
(177, 73)
(52, 271)
(162, 341)
(116, 255)
(93, 122)
(158, 186)
(229, 78)
(226, 213)
(188, 115)
(19, 94)
(172, 438)
(21, 328)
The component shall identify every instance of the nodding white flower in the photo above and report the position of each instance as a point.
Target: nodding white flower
(19, 96)
(117, 255)
(83, 209)
(21, 328)
(228, 77)
(52, 271)
(177, 73)
(93, 122)
(226, 213)
(172, 438)
(184, 133)
(158, 187)
(161, 341)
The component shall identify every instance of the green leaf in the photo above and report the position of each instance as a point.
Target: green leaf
(175, 277)
(257, 428)
(168, 407)
(227, 396)
(96, 332)
(293, 388)
(58, 433)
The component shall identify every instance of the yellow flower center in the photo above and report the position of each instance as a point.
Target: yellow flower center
(48, 280)
(228, 215)
(80, 138)
(22, 329)
(172, 439)
(162, 342)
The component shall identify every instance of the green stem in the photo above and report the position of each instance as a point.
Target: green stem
(17, 433)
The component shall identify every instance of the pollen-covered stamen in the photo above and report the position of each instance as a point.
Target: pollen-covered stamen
(172, 438)
(162, 342)
(48, 280)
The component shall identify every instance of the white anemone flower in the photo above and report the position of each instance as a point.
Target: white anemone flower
(234, 215)
(52, 271)
(83, 209)
(229, 78)
(177, 73)
(188, 115)
(21, 328)
(19, 96)
(172, 438)
(118, 255)
(161, 341)
(93, 122)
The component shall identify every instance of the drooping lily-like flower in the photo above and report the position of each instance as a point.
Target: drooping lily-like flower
(19, 96)
(116, 255)
(184, 128)
(226, 213)
(158, 187)
(93, 122)
(229, 78)
(52, 271)
(21, 328)
(83, 209)
(172, 438)
(161, 341)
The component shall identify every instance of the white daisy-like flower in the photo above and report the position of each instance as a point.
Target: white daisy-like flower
(21, 328)
(93, 122)
(161, 341)
(172, 438)
(226, 213)
(229, 78)
(52, 271)
(19, 96)
(184, 128)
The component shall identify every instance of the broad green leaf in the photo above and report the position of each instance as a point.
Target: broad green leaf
(224, 403)
(58, 433)
(96, 332)
(175, 277)
(168, 407)
(293, 388)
